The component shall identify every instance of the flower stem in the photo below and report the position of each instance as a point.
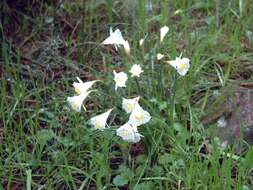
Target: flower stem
(172, 98)
(138, 85)
(125, 152)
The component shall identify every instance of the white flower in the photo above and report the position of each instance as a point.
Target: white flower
(139, 116)
(182, 65)
(115, 38)
(76, 101)
(178, 11)
(129, 104)
(141, 42)
(128, 133)
(120, 79)
(127, 47)
(163, 31)
(221, 123)
(159, 56)
(136, 70)
(82, 87)
(99, 121)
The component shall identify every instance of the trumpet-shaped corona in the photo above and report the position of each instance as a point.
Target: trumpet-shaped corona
(128, 133)
(182, 65)
(99, 121)
(129, 104)
(139, 116)
(82, 87)
(76, 102)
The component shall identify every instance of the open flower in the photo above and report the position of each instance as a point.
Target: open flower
(139, 116)
(128, 133)
(82, 87)
(99, 121)
(120, 79)
(159, 56)
(76, 102)
(182, 65)
(127, 47)
(115, 38)
(129, 104)
(163, 31)
(136, 70)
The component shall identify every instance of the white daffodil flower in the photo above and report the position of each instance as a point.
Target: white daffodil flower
(182, 65)
(128, 133)
(139, 116)
(163, 31)
(178, 11)
(136, 70)
(127, 47)
(76, 102)
(82, 87)
(115, 38)
(99, 121)
(120, 79)
(159, 56)
(129, 104)
(141, 42)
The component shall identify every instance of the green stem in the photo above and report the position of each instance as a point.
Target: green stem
(172, 97)
(125, 152)
(138, 85)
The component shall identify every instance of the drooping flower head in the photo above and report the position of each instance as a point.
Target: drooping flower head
(120, 79)
(76, 102)
(159, 56)
(141, 41)
(163, 31)
(82, 87)
(128, 133)
(182, 65)
(115, 38)
(127, 47)
(136, 70)
(129, 104)
(139, 116)
(99, 121)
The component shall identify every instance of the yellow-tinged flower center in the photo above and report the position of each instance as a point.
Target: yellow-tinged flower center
(124, 133)
(75, 105)
(98, 124)
(130, 106)
(78, 91)
(139, 117)
(119, 79)
(182, 66)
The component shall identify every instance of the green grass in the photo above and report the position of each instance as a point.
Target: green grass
(45, 145)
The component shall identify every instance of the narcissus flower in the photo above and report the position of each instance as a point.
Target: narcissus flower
(120, 79)
(139, 116)
(115, 38)
(76, 102)
(127, 47)
(136, 70)
(178, 11)
(129, 104)
(159, 56)
(83, 87)
(182, 65)
(99, 121)
(163, 31)
(141, 42)
(128, 133)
